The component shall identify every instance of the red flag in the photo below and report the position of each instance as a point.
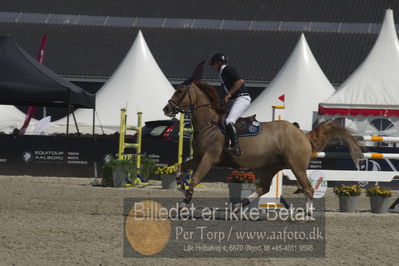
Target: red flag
(40, 54)
(32, 109)
(282, 98)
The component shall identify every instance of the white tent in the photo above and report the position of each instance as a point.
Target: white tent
(372, 91)
(302, 82)
(138, 84)
(12, 118)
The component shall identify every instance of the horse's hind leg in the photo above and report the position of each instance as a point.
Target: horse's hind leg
(265, 182)
(300, 174)
(298, 166)
(298, 163)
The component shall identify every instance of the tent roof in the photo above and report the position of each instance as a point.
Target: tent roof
(302, 82)
(138, 84)
(373, 88)
(24, 81)
(272, 10)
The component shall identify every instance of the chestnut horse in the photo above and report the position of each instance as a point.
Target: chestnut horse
(279, 146)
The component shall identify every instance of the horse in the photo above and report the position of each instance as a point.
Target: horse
(280, 145)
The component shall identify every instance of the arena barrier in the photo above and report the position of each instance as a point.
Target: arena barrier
(138, 180)
(340, 175)
(356, 176)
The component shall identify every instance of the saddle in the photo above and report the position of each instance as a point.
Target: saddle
(245, 126)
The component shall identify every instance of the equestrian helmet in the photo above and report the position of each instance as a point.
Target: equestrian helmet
(219, 57)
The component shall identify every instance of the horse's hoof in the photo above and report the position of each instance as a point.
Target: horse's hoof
(241, 205)
(182, 205)
(309, 217)
(236, 207)
(245, 202)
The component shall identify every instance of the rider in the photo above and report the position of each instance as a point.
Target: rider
(236, 92)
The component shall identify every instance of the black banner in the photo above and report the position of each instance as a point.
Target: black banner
(55, 155)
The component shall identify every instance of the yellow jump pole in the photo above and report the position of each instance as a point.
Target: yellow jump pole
(190, 130)
(139, 128)
(122, 131)
(181, 135)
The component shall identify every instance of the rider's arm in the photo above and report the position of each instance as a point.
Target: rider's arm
(236, 86)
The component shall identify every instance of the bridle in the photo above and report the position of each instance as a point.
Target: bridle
(176, 108)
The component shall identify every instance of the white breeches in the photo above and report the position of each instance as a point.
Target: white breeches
(238, 107)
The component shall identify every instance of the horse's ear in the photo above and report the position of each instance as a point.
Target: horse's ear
(196, 76)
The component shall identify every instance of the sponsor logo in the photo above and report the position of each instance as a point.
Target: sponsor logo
(252, 129)
(27, 157)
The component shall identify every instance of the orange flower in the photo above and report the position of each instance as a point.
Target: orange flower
(241, 177)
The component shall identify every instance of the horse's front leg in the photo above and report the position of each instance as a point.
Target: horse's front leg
(184, 167)
(204, 166)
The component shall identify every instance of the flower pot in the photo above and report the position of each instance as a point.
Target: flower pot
(347, 203)
(168, 181)
(119, 177)
(379, 204)
(239, 191)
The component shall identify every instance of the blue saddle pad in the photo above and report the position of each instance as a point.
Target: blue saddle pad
(246, 129)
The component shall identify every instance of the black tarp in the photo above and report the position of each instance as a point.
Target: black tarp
(24, 81)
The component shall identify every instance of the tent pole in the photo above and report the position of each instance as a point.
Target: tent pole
(94, 119)
(76, 124)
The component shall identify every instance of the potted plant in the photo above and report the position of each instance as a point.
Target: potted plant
(118, 173)
(168, 176)
(241, 185)
(347, 197)
(379, 198)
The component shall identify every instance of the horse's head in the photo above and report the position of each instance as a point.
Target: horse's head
(182, 100)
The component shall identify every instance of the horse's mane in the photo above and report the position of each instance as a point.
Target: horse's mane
(213, 96)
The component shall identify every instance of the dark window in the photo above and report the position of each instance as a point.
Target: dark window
(381, 124)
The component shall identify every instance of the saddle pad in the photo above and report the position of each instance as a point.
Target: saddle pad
(246, 128)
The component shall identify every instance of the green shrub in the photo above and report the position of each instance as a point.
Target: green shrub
(148, 166)
(129, 167)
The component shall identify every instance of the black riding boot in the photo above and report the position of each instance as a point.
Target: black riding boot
(234, 147)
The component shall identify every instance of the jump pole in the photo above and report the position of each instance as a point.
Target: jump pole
(394, 156)
(181, 144)
(379, 139)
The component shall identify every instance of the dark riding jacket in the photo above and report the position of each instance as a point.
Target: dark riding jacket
(229, 76)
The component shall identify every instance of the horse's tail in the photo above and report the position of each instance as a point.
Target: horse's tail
(320, 136)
